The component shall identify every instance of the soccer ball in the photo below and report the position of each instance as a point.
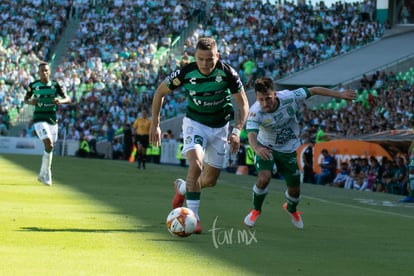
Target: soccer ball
(181, 222)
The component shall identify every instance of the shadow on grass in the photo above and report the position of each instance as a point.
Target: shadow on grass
(79, 230)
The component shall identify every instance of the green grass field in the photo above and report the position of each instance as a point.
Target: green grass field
(105, 217)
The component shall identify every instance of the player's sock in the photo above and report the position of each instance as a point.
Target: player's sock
(259, 196)
(193, 202)
(291, 202)
(46, 162)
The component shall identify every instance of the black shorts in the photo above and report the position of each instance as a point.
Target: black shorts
(142, 140)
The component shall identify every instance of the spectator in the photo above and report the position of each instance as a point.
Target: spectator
(321, 136)
(397, 184)
(3, 128)
(308, 173)
(117, 149)
(373, 174)
(128, 141)
(386, 176)
(84, 149)
(410, 186)
(356, 177)
(328, 166)
(341, 176)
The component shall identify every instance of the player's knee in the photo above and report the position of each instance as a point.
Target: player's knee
(49, 146)
(294, 191)
(263, 181)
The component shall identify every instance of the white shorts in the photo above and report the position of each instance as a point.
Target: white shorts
(212, 141)
(45, 130)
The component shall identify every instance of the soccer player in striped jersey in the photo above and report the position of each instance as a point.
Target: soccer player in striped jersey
(45, 95)
(273, 133)
(209, 85)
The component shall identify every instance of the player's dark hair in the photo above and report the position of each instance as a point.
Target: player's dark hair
(263, 85)
(206, 43)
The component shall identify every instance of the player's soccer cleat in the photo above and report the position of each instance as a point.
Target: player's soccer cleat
(296, 218)
(45, 179)
(407, 199)
(251, 218)
(198, 229)
(179, 197)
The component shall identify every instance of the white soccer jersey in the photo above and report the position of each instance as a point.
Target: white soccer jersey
(279, 130)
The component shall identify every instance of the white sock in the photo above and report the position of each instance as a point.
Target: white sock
(193, 205)
(46, 162)
(258, 191)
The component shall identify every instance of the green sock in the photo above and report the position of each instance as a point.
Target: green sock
(259, 196)
(193, 195)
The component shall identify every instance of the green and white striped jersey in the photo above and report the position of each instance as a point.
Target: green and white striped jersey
(45, 110)
(208, 97)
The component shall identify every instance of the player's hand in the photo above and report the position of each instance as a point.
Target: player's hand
(264, 153)
(34, 101)
(234, 142)
(349, 94)
(155, 135)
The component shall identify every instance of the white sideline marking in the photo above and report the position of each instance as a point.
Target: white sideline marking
(363, 208)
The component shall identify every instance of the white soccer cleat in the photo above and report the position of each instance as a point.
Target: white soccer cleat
(180, 186)
(295, 217)
(45, 178)
(251, 218)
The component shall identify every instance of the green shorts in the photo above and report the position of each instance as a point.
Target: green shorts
(287, 166)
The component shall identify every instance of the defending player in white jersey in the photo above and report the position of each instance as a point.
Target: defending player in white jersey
(273, 133)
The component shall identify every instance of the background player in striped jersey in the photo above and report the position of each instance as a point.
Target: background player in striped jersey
(45, 94)
(210, 86)
(273, 132)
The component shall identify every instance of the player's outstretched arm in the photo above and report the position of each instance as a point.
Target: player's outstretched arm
(158, 99)
(347, 94)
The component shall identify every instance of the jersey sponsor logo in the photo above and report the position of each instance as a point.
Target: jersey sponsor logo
(290, 111)
(197, 102)
(193, 81)
(298, 92)
(284, 135)
(214, 103)
(188, 140)
(176, 82)
(219, 78)
(174, 74)
(198, 140)
(39, 104)
(267, 121)
(278, 116)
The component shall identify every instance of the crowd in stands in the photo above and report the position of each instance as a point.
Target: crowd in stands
(113, 60)
(365, 173)
(28, 32)
(385, 102)
(276, 40)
